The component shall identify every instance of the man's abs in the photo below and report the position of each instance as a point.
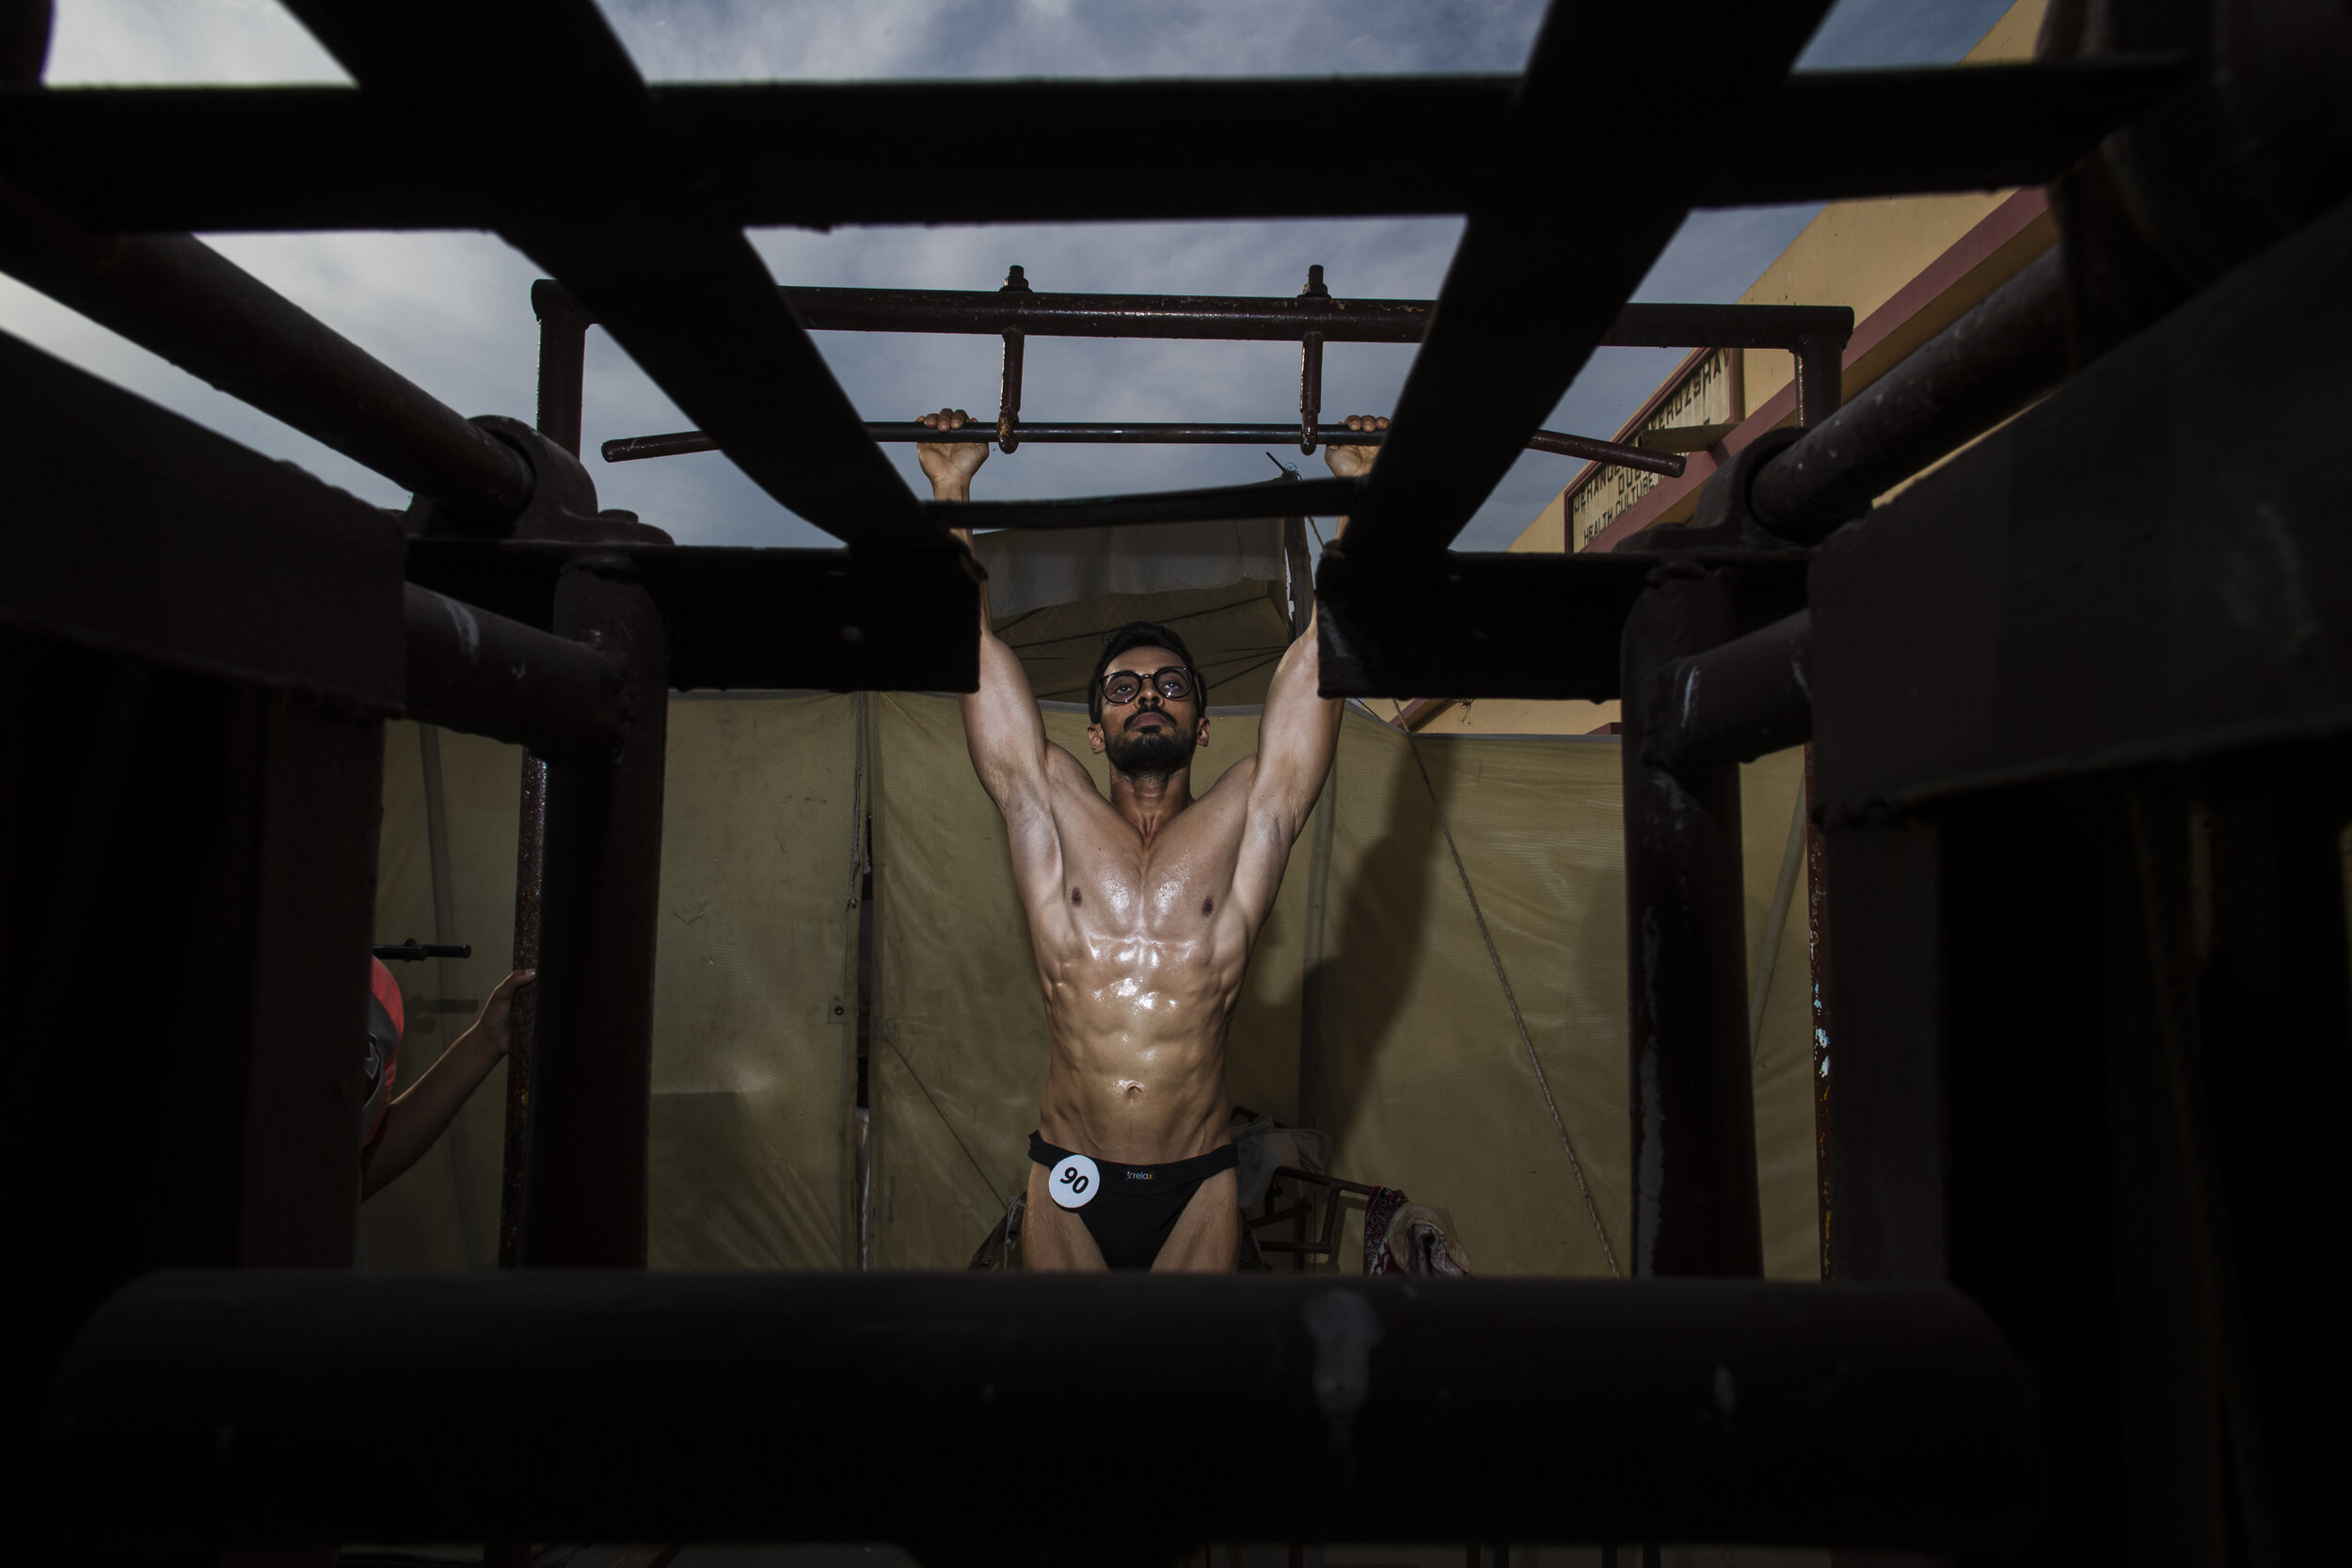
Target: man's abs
(1138, 1064)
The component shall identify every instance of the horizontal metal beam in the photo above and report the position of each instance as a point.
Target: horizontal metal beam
(1733, 703)
(671, 275)
(1994, 360)
(756, 619)
(610, 1406)
(1835, 135)
(2136, 569)
(630, 448)
(1485, 625)
(484, 674)
(1275, 318)
(226, 159)
(1506, 623)
(178, 298)
(135, 531)
(1319, 497)
(1533, 288)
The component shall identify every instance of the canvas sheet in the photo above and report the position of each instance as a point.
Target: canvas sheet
(753, 1071)
(1413, 1063)
(1064, 566)
(755, 985)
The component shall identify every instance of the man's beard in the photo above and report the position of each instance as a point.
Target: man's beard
(1149, 753)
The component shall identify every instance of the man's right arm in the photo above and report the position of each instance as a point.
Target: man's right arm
(1001, 722)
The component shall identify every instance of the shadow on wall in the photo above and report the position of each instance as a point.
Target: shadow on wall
(1370, 945)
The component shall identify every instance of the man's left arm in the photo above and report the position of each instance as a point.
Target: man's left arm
(1297, 738)
(1300, 730)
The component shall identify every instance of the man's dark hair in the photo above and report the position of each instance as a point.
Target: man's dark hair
(1141, 634)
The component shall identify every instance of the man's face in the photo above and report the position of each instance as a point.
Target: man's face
(1150, 737)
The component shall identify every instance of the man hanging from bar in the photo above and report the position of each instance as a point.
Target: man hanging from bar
(1142, 911)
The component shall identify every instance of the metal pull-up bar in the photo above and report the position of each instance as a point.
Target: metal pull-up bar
(1816, 335)
(630, 449)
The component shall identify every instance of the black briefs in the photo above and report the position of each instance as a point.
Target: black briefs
(1128, 1210)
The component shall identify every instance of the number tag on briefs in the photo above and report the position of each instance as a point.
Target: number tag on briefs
(1074, 1181)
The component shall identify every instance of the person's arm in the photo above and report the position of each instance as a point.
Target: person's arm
(425, 1112)
(1001, 722)
(1300, 731)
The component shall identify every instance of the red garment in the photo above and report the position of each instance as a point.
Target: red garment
(386, 1024)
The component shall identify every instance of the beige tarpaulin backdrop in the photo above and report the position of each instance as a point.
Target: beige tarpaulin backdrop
(1415, 1068)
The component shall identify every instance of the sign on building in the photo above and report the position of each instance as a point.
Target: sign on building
(1707, 393)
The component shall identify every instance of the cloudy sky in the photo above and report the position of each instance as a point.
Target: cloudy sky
(452, 311)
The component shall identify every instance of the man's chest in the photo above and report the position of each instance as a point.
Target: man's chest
(1172, 891)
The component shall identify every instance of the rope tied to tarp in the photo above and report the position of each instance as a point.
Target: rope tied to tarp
(1575, 1167)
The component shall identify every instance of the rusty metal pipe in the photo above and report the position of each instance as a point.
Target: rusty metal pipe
(600, 874)
(1978, 372)
(1736, 702)
(1695, 1208)
(180, 298)
(630, 449)
(484, 674)
(610, 1406)
(1276, 318)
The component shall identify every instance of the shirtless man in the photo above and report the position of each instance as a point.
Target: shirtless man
(1142, 911)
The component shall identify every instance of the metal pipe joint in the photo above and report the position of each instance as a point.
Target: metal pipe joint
(484, 674)
(1735, 702)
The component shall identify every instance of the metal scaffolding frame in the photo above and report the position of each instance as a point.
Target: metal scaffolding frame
(2081, 720)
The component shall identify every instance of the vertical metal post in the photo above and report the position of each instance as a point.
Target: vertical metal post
(1820, 377)
(1694, 1194)
(531, 834)
(1310, 366)
(563, 362)
(1816, 950)
(592, 1062)
(1008, 398)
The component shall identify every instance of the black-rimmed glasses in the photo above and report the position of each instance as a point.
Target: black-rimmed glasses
(1121, 687)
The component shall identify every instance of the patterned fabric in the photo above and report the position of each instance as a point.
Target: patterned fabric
(1405, 1237)
(1379, 1212)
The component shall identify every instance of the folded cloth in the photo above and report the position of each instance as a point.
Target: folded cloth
(1405, 1237)
(1379, 1214)
(1423, 1241)
(1261, 1147)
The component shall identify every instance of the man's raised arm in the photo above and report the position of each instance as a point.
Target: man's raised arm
(1001, 724)
(1301, 727)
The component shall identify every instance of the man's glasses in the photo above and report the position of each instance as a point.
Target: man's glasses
(1121, 687)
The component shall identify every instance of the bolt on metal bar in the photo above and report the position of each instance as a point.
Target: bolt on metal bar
(2002, 355)
(630, 449)
(1310, 366)
(1009, 401)
(180, 298)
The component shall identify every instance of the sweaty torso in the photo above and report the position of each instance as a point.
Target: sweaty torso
(1141, 948)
